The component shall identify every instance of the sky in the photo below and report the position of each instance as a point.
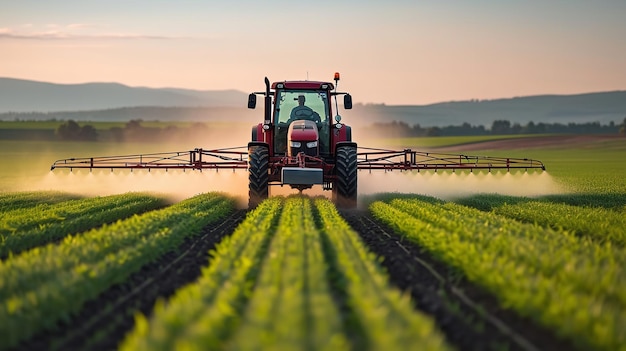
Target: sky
(397, 52)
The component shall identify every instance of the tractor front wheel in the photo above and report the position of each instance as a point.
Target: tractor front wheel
(258, 177)
(345, 187)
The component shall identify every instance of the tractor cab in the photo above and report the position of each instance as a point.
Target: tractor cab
(301, 143)
(299, 116)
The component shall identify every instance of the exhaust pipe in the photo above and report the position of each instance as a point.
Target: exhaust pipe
(268, 102)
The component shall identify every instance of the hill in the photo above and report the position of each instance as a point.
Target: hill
(17, 95)
(602, 107)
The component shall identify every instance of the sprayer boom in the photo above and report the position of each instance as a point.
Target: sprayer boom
(237, 158)
(193, 159)
(405, 160)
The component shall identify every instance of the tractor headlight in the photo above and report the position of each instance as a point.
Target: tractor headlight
(295, 144)
(311, 144)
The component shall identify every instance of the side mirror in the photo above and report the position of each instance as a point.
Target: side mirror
(347, 101)
(251, 101)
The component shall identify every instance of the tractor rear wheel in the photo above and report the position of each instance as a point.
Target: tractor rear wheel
(258, 177)
(345, 187)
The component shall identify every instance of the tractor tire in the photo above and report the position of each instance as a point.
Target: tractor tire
(345, 187)
(258, 177)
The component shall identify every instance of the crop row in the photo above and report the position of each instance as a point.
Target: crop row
(13, 201)
(294, 260)
(25, 228)
(570, 283)
(293, 275)
(47, 284)
(598, 223)
(383, 312)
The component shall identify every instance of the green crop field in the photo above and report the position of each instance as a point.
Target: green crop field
(291, 305)
(570, 278)
(45, 285)
(488, 271)
(53, 125)
(430, 142)
(557, 259)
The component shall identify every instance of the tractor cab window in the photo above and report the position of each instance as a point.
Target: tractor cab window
(296, 105)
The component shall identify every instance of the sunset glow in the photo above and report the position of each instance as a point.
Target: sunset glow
(395, 52)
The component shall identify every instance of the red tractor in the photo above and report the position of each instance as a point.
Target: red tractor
(301, 144)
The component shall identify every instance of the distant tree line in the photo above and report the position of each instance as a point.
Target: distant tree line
(71, 130)
(397, 129)
(144, 113)
(132, 131)
(135, 131)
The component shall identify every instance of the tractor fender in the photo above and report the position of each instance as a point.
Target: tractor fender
(348, 133)
(343, 134)
(257, 143)
(257, 132)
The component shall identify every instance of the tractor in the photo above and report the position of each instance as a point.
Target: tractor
(301, 144)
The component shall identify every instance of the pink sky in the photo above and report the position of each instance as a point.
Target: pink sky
(394, 52)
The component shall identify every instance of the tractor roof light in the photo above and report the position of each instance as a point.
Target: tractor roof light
(280, 85)
(336, 76)
(324, 86)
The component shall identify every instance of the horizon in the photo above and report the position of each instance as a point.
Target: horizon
(416, 54)
(356, 102)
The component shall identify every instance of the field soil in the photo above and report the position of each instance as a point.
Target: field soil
(560, 141)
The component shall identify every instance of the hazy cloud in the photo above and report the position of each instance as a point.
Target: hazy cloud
(80, 25)
(71, 32)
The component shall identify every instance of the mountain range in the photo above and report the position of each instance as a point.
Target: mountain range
(17, 95)
(602, 107)
(114, 101)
